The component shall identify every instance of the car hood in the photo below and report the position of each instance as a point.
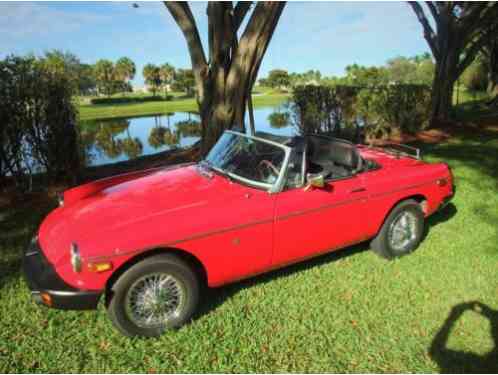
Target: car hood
(128, 209)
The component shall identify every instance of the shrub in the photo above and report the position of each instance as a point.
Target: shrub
(324, 109)
(132, 99)
(401, 107)
(348, 111)
(475, 77)
(38, 121)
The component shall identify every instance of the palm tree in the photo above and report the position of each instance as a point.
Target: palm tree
(152, 77)
(167, 74)
(156, 136)
(105, 76)
(125, 70)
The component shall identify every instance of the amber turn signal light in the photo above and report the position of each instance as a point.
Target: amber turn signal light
(442, 182)
(99, 267)
(46, 299)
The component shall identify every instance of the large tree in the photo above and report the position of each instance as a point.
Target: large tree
(278, 78)
(105, 76)
(461, 30)
(152, 77)
(490, 52)
(124, 71)
(167, 74)
(225, 78)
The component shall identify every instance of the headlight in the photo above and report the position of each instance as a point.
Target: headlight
(60, 198)
(75, 258)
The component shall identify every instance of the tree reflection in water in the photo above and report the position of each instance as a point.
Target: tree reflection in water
(279, 120)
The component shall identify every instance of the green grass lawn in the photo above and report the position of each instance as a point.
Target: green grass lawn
(348, 311)
(101, 111)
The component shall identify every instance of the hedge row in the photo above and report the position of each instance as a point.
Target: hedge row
(370, 111)
(131, 99)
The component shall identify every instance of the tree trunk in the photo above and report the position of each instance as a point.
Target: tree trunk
(225, 80)
(493, 70)
(442, 87)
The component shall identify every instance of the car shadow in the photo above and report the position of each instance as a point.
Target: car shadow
(212, 298)
(439, 217)
(455, 361)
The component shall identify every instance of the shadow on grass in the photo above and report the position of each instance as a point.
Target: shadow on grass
(214, 297)
(439, 217)
(478, 151)
(16, 230)
(455, 361)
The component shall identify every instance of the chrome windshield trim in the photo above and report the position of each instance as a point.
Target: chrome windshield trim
(271, 188)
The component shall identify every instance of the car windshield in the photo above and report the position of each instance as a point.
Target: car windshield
(247, 159)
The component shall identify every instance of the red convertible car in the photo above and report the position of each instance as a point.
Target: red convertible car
(146, 242)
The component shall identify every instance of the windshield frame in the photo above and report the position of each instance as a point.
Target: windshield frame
(271, 188)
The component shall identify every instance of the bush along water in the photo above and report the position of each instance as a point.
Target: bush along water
(38, 123)
(356, 112)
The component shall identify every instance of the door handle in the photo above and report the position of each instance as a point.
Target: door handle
(358, 190)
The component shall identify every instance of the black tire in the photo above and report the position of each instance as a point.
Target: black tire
(173, 268)
(383, 246)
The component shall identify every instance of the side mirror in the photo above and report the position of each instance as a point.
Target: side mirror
(314, 180)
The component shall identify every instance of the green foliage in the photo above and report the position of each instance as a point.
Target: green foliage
(38, 119)
(307, 78)
(357, 75)
(324, 109)
(401, 107)
(475, 77)
(341, 110)
(278, 78)
(125, 69)
(189, 128)
(414, 70)
(80, 75)
(105, 77)
(152, 77)
(184, 81)
(167, 74)
(279, 120)
(130, 99)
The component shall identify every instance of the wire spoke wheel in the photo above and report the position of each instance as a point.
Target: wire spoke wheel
(154, 299)
(403, 231)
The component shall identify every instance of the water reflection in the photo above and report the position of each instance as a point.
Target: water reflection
(279, 120)
(114, 140)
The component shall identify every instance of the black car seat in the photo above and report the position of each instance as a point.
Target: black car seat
(335, 158)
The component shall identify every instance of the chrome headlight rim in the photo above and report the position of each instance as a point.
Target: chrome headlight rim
(75, 257)
(60, 198)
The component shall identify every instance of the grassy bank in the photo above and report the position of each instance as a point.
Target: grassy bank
(345, 312)
(92, 111)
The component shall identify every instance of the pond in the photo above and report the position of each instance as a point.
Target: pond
(113, 140)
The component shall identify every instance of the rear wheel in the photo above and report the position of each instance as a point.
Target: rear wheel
(156, 294)
(402, 231)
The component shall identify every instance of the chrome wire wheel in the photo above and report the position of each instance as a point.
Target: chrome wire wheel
(154, 299)
(403, 231)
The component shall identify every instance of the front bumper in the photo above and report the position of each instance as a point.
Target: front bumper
(49, 289)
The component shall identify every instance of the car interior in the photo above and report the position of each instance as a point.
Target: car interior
(333, 158)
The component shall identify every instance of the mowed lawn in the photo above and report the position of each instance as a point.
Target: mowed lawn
(349, 311)
(103, 111)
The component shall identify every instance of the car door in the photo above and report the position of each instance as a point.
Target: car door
(309, 222)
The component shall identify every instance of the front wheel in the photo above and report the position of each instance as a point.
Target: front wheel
(402, 231)
(156, 294)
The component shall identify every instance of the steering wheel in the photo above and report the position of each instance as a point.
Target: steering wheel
(267, 170)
